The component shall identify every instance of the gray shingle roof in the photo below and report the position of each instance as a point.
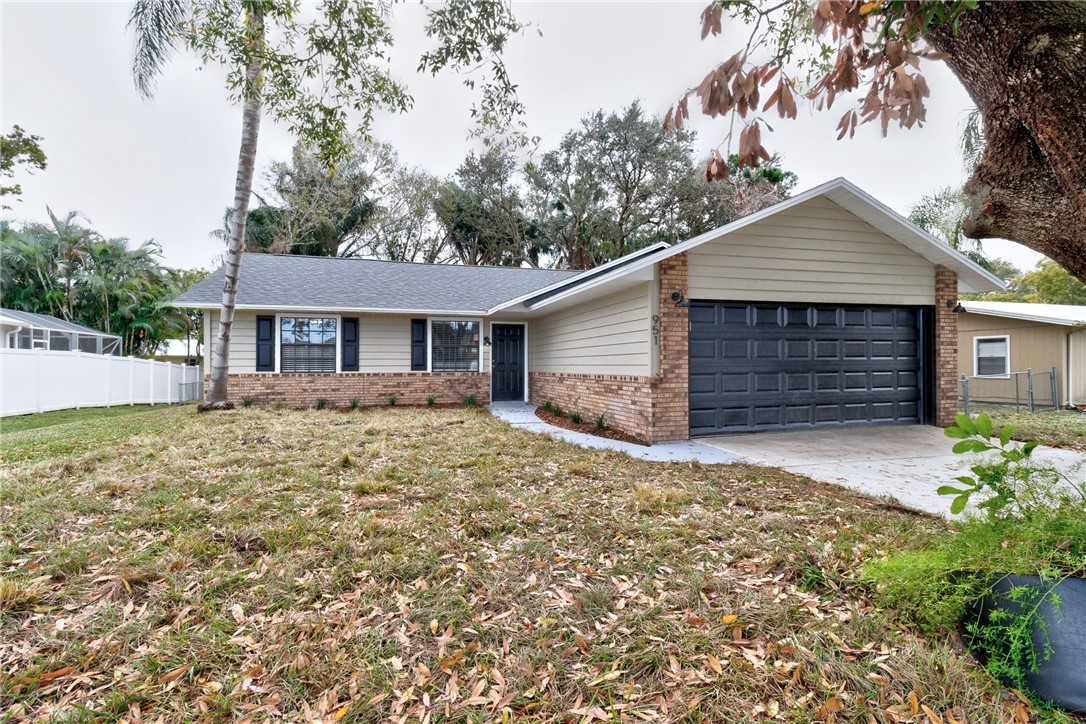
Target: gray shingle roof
(271, 281)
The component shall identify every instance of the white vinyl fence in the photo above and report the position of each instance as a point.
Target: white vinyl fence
(37, 380)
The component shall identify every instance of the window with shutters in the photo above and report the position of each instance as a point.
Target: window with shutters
(454, 346)
(307, 344)
(992, 356)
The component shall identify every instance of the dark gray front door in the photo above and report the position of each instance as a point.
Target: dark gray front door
(764, 366)
(507, 362)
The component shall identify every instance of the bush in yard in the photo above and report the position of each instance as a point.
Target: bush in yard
(470, 401)
(430, 400)
(354, 403)
(392, 401)
(575, 417)
(320, 404)
(600, 422)
(1028, 520)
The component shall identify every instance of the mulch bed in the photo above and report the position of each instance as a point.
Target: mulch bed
(588, 428)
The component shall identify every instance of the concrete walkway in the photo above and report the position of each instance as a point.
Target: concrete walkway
(907, 462)
(519, 414)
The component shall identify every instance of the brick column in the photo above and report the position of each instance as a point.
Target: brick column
(670, 391)
(946, 346)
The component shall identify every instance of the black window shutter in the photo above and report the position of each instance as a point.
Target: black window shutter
(418, 345)
(265, 343)
(349, 362)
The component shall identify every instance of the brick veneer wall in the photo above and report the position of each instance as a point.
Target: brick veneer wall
(625, 401)
(946, 346)
(671, 388)
(371, 388)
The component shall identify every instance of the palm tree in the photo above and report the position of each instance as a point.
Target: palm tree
(156, 24)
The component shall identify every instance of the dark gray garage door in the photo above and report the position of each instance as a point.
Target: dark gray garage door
(772, 366)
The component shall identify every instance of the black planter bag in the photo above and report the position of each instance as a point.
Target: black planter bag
(1061, 678)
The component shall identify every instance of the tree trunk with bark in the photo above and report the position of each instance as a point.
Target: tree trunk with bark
(250, 131)
(1024, 65)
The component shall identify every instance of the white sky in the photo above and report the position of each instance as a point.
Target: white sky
(165, 169)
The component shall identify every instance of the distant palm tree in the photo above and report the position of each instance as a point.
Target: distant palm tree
(157, 24)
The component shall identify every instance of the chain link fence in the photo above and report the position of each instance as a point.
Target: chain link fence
(1029, 390)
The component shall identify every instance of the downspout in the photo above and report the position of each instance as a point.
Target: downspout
(1071, 368)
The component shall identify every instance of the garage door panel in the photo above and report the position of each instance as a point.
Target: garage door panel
(770, 366)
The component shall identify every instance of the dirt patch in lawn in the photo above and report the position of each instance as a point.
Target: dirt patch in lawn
(588, 428)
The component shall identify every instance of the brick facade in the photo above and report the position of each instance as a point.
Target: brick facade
(946, 346)
(671, 388)
(370, 388)
(625, 401)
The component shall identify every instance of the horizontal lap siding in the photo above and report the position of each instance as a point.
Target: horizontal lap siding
(602, 336)
(242, 339)
(814, 252)
(384, 343)
(1077, 375)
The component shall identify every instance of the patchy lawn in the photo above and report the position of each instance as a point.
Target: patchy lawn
(1061, 428)
(437, 565)
(63, 417)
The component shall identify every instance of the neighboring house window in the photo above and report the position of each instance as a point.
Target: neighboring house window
(454, 346)
(992, 356)
(307, 344)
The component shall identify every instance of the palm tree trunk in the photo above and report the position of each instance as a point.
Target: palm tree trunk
(243, 186)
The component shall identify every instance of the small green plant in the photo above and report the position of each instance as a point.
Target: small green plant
(320, 404)
(1009, 483)
(470, 400)
(247, 401)
(600, 422)
(430, 400)
(277, 405)
(548, 406)
(575, 417)
(354, 403)
(558, 411)
(392, 401)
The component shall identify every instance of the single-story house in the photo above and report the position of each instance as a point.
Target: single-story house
(998, 338)
(825, 309)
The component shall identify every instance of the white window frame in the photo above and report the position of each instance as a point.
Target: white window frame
(976, 355)
(430, 337)
(523, 324)
(306, 315)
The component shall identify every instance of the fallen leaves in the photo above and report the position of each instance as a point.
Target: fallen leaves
(576, 601)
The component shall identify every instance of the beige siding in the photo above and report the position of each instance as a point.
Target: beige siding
(1077, 368)
(603, 336)
(1033, 345)
(813, 252)
(242, 340)
(384, 343)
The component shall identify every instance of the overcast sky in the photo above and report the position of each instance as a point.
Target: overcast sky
(165, 169)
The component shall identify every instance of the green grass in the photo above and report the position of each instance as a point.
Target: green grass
(1061, 428)
(63, 417)
(435, 562)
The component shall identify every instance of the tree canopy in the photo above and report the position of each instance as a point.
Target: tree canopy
(19, 148)
(1021, 62)
(615, 183)
(67, 270)
(1047, 283)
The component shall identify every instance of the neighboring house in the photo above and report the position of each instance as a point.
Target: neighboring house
(825, 309)
(998, 338)
(29, 330)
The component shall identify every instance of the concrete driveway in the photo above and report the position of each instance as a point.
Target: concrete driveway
(907, 462)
